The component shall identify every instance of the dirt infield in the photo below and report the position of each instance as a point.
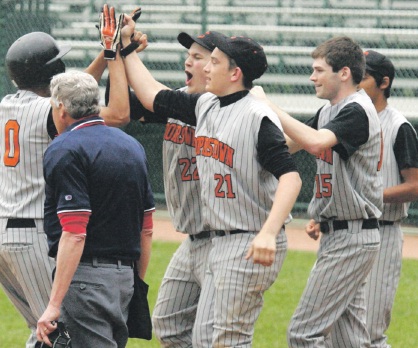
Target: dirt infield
(296, 236)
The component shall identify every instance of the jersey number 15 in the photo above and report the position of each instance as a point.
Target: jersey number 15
(323, 185)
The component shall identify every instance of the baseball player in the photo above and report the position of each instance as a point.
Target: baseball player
(400, 183)
(25, 269)
(244, 205)
(26, 121)
(345, 137)
(175, 309)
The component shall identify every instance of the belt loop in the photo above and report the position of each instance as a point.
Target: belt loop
(94, 262)
(119, 264)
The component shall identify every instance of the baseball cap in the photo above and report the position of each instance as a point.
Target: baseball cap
(207, 40)
(247, 53)
(377, 62)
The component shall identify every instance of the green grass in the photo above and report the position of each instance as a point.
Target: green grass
(280, 302)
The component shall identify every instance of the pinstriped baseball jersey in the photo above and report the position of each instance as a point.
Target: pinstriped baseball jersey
(24, 138)
(349, 189)
(241, 192)
(391, 119)
(25, 271)
(181, 179)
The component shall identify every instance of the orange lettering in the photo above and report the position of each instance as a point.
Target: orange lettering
(12, 155)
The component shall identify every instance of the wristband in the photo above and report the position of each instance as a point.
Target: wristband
(129, 49)
(109, 55)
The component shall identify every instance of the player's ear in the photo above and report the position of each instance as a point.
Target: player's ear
(236, 74)
(345, 73)
(385, 83)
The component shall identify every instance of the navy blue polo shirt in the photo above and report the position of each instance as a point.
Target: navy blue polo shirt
(98, 169)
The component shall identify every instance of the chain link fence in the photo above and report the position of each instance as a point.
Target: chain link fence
(288, 29)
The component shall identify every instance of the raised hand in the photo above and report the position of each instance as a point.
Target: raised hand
(109, 30)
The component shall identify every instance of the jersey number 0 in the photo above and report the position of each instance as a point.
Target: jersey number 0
(11, 135)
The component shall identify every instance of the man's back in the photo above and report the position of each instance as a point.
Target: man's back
(23, 121)
(105, 172)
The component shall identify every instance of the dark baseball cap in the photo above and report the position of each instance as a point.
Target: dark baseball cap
(207, 40)
(377, 62)
(247, 53)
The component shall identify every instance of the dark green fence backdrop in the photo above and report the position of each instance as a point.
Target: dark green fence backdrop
(288, 30)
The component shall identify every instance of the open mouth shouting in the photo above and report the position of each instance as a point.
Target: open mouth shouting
(189, 77)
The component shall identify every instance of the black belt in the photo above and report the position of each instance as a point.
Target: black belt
(386, 223)
(92, 260)
(343, 225)
(20, 223)
(218, 233)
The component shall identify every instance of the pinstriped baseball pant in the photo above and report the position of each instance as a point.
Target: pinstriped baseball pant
(334, 298)
(382, 284)
(25, 271)
(232, 293)
(175, 310)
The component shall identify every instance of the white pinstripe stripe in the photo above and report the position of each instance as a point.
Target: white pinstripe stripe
(391, 120)
(175, 311)
(385, 274)
(253, 187)
(24, 195)
(25, 271)
(335, 290)
(232, 293)
(333, 302)
(382, 284)
(356, 184)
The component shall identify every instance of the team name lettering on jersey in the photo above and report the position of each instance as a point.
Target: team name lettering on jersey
(326, 156)
(209, 147)
(179, 134)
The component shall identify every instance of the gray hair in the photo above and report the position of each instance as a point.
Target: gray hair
(77, 91)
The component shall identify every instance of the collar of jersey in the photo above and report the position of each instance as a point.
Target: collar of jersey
(91, 120)
(232, 98)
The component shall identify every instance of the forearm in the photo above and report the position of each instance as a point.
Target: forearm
(116, 113)
(292, 145)
(403, 193)
(70, 250)
(146, 244)
(139, 78)
(141, 81)
(97, 67)
(304, 137)
(285, 197)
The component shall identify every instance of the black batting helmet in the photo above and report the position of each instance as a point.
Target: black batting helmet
(34, 58)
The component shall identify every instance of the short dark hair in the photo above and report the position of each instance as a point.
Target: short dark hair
(342, 51)
(378, 66)
(378, 78)
(248, 83)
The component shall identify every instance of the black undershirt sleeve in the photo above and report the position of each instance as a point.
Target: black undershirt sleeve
(351, 127)
(313, 122)
(177, 104)
(137, 110)
(406, 147)
(273, 152)
(50, 126)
